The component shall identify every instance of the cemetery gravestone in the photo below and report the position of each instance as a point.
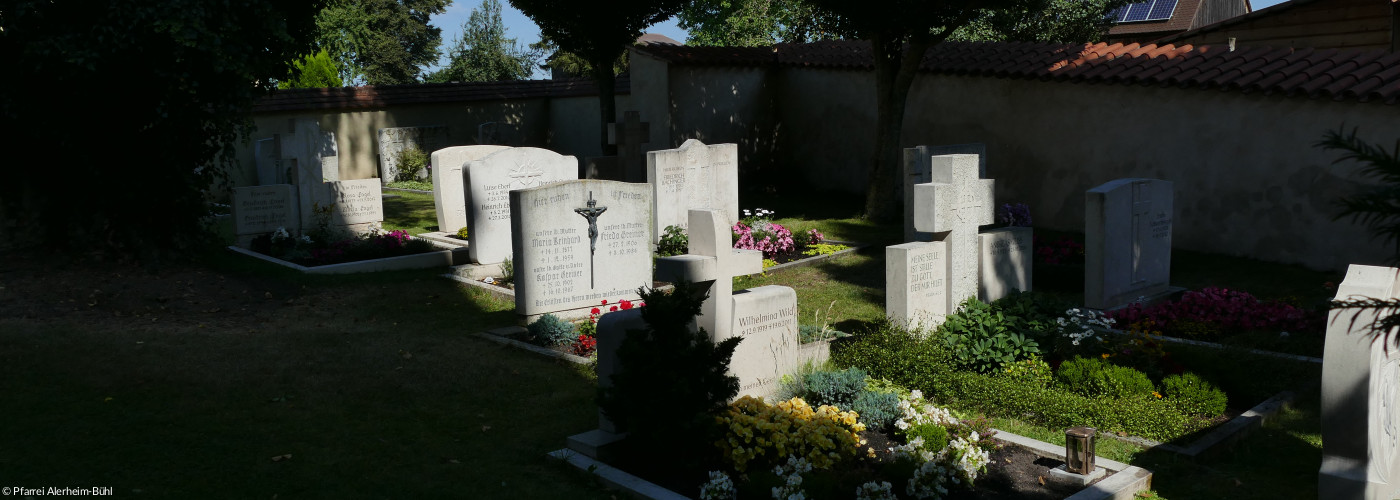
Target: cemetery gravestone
(916, 288)
(714, 261)
(956, 203)
(393, 141)
(490, 179)
(694, 176)
(449, 194)
(1360, 396)
(1127, 242)
(918, 169)
(267, 157)
(263, 209)
(1005, 263)
(578, 243)
(357, 202)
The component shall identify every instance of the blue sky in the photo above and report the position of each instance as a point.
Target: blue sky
(524, 31)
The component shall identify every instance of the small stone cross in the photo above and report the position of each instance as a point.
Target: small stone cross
(955, 204)
(713, 259)
(629, 137)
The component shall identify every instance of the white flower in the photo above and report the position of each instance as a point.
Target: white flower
(916, 394)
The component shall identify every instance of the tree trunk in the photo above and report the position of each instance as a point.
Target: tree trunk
(607, 102)
(895, 68)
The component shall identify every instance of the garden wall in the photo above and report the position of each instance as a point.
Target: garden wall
(1249, 181)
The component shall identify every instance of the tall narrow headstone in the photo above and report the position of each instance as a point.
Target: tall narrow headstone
(918, 169)
(392, 141)
(954, 205)
(1360, 395)
(1127, 242)
(694, 176)
(629, 137)
(449, 194)
(489, 181)
(580, 242)
(1005, 261)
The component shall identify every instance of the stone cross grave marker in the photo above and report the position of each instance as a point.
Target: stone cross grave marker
(393, 141)
(694, 176)
(956, 202)
(308, 156)
(713, 260)
(1127, 242)
(449, 194)
(490, 179)
(918, 169)
(1005, 262)
(1360, 395)
(566, 261)
(629, 137)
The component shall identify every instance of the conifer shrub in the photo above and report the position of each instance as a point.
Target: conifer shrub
(550, 330)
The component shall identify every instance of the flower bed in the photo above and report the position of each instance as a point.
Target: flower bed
(1230, 316)
(1023, 358)
(323, 247)
(757, 231)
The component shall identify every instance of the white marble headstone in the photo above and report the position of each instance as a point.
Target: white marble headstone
(304, 149)
(1127, 241)
(392, 141)
(766, 318)
(263, 209)
(918, 169)
(449, 194)
(489, 181)
(357, 202)
(694, 176)
(570, 253)
(1005, 264)
(954, 204)
(916, 287)
(1360, 395)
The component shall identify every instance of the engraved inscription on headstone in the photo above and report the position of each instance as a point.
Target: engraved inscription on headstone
(263, 209)
(449, 194)
(956, 203)
(490, 179)
(766, 317)
(916, 289)
(918, 169)
(1127, 248)
(694, 176)
(357, 202)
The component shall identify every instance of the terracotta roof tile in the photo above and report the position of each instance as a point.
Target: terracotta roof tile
(371, 96)
(1338, 74)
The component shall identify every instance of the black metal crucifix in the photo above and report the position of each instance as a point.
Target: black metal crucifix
(591, 213)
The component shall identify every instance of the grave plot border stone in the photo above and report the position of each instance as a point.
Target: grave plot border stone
(440, 258)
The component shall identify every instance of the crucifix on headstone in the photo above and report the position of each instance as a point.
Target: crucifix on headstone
(629, 137)
(591, 213)
(954, 205)
(712, 259)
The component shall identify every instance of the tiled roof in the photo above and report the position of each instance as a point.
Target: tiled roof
(1337, 74)
(371, 96)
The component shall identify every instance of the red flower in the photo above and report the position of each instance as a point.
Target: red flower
(626, 304)
(605, 302)
(612, 309)
(595, 311)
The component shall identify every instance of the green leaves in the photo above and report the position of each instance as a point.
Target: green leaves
(483, 53)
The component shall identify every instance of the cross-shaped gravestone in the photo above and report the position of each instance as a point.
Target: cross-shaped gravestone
(955, 204)
(629, 138)
(712, 258)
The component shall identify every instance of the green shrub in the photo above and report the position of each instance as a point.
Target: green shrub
(1096, 377)
(508, 270)
(462, 233)
(890, 352)
(983, 339)
(935, 435)
(1193, 395)
(1056, 407)
(1033, 314)
(550, 330)
(673, 242)
(1034, 371)
(835, 388)
(877, 409)
(670, 384)
(410, 162)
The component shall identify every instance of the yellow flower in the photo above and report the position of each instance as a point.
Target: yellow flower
(1159, 396)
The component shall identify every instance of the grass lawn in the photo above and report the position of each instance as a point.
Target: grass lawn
(234, 378)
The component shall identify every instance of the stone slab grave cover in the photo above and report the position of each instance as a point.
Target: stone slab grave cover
(694, 176)
(1360, 396)
(916, 287)
(579, 242)
(1127, 241)
(918, 169)
(263, 209)
(449, 193)
(489, 181)
(1006, 257)
(953, 205)
(393, 141)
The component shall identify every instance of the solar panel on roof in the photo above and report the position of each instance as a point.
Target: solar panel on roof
(1161, 10)
(1137, 12)
(1116, 15)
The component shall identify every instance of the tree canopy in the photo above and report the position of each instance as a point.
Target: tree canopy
(483, 53)
(315, 70)
(750, 23)
(134, 102)
(598, 31)
(381, 42)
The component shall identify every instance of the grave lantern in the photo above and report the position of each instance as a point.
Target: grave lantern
(1079, 450)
